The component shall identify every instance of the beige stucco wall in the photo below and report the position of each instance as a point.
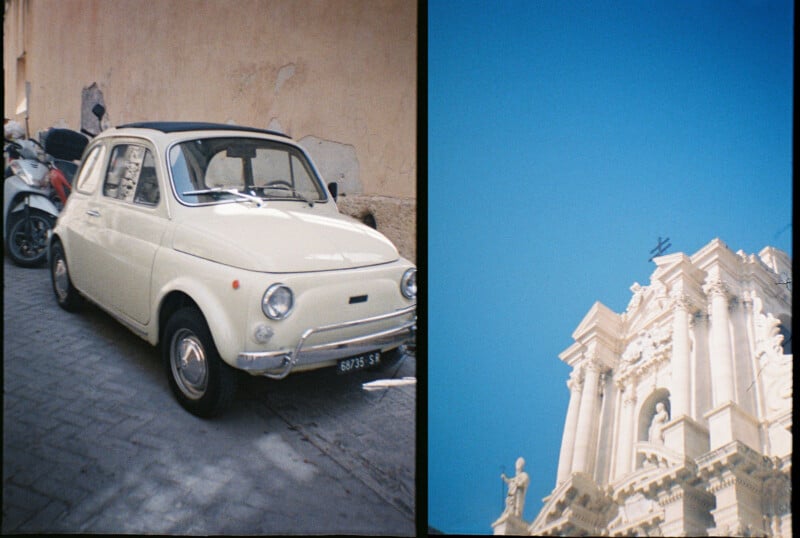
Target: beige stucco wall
(338, 75)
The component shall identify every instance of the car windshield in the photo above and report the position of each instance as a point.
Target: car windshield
(226, 169)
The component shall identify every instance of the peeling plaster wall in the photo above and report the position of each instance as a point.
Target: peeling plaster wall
(340, 75)
(335, 162)
(396, 218)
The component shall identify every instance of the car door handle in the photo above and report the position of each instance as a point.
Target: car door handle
(93, 213)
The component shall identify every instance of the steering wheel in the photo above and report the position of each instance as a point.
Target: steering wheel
(279, 183)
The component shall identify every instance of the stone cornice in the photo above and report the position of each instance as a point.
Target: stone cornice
(763, 279)
(695, 496)
(774, 259)
(734, 457)
(598, 333)
(716, 256)
(600, 318)
(655, 480)
(577, 492)
(679, 273)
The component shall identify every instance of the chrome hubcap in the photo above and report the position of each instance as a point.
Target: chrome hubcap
(189, 364)
(61, 279)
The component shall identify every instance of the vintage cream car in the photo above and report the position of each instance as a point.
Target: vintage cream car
(221, 244)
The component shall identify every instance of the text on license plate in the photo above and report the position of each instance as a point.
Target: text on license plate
(359, 362)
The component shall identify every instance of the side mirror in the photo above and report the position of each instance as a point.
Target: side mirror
(333, 187)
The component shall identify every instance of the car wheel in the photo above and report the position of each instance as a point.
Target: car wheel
(67, 296)
(201, 381)
(27, 237)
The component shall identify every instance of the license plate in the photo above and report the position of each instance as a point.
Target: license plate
(359, 362)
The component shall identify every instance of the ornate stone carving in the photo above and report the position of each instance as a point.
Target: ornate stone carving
(775, 368)
(768, 334)
(683, 301)
(649, 346)
(716, 287)
(575, 381)
(638, 293)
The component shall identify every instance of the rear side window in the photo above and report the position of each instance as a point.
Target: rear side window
(132, 176)
(90, 173)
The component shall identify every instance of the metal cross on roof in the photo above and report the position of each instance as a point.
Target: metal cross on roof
(661, 248)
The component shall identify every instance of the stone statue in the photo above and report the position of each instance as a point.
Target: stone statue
(656, 432)
(517, 487)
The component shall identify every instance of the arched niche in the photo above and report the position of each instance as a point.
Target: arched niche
(646, 413)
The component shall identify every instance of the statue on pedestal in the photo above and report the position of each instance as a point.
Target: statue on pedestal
(517, 487)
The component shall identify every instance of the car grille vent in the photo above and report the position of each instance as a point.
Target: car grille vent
(358, 299)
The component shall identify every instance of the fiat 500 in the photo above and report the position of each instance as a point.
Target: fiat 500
(221, 245)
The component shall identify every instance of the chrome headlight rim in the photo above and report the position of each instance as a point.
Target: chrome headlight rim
(268, 306)
(408, 284)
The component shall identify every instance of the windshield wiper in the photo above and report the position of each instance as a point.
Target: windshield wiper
(295, 193)
(259, 202)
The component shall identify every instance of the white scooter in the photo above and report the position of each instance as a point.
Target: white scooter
(30, 204)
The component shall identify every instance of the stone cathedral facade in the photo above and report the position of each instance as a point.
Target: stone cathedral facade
(680, 413)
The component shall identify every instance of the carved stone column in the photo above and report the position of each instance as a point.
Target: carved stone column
(721, 358)
(680, 392)
(586, 418)
(727, 421)
(626, 428)
(575, 385)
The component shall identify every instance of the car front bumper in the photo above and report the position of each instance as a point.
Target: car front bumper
(278, 364)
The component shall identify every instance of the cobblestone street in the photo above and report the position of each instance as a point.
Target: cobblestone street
(94, 442)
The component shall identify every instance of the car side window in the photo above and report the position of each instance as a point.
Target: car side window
(90, 173)
(132, 176)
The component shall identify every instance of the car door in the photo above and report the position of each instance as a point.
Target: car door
(79, 225)
(129, 217)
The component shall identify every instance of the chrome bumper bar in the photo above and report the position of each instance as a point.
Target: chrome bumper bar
(278, 364)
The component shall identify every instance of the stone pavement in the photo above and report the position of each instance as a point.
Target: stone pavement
(93, 441)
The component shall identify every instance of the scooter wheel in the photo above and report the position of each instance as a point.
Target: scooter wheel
(26, 241)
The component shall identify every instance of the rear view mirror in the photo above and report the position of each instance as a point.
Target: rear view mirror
(333, 187)
(241, 151)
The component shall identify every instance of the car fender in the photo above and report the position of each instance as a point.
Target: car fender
(223, 307)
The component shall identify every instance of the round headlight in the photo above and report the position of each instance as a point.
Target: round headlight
(277, 302)
(408, 284)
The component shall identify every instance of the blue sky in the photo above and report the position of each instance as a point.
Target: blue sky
(563, 139)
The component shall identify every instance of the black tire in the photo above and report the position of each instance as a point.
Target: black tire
(200, 380)
(27, 247)
(67, 296)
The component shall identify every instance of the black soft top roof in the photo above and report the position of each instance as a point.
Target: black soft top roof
(182, 126)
